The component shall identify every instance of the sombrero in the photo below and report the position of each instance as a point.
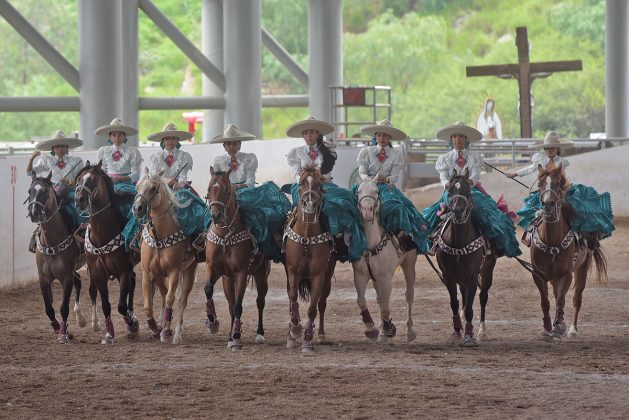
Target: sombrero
(58, 139)
(232, 133)
(383, 126)
(310, 123)
(116, 125)
(551, 139)
(472, 134)
(170, 130)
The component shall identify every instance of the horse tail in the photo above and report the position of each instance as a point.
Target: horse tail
(600, 261)
(304, 286)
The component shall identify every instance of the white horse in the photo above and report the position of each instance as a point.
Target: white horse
(379, 264)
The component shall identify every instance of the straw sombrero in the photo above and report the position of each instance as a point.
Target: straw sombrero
(170, 130)
(116, 125)
(551, 139)
(58, 139)
(310, 123)
(232, 133)
(383, 126)
(472, 134)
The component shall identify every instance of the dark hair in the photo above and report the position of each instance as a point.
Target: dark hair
(329, 158)
(375, 142)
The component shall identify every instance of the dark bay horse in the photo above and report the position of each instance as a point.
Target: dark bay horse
(230, 252)
(557, 253)
(105, 252)
(57, 254)
(310, 260)
(461, 254)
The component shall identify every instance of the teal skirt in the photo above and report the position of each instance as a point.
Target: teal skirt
(593, 210)
(494, 225)
(399, 214)
(264, 210)
(68, 207)
(340, 215)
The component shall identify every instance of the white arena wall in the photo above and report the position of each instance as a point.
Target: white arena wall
(17, 265)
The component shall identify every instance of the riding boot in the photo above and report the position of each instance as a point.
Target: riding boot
(199, 245)
(406, 242)
(32, 245)
(341, 249)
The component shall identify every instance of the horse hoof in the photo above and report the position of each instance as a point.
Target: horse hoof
(546, 336)
(389, 329)
(295, 330)
(80, 319)
(410, 336)
(456, 337)
(383, 339)
(133, 326)
(235, 344)
(291, 343)
(323, 340)
(108, 339)
(95, 326)
(307, 347)
(372, 334)
(470, 341)
(259, 339)
(573, 332)
(177, 339)
(212, 326)
(63, 338)
(166, 336)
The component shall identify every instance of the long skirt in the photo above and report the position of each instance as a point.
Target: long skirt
(593, 210)
(71, 215)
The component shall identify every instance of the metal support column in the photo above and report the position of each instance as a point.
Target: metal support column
(325, 50)
(242, 63)
(616, 68)
(212, 48)
(128, 107)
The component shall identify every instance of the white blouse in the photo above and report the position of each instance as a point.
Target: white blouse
(182, 162)
(45, 163)
(129, 163)
(540, 158)
(246, 171)
(447, 163)
(298, 158)
(369, 165)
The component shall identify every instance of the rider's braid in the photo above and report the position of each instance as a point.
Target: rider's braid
(329, 157)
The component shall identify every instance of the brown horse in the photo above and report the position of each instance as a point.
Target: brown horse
(557, 253)
(57, 254)
(104, 245)
(310, 260)
(461, 254)
(166, 256)
(231, 252)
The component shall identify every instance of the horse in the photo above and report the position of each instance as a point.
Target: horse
(557, 253)
(310, 261)
(57, 255)
(167, 261)
(463, 257)
(378, 264)
(104, 247)
(231, 252)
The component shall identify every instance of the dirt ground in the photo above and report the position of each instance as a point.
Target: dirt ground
(513, 374)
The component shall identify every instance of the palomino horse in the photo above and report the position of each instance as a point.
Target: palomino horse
(166, 261)
(556, 253)
(461, 257)
(104, 247)
(310, 260)
(231, 252)
(379, 264)
(57, 255)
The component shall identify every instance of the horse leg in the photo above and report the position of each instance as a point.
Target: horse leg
(261, 278)
(93, 295)
(166, 335)
(235, 338)
(486, 280)
(127, 287)
(456, 318)
(408, 268)
(388, 329)
(580, 277)
(322, 305)
(46, 292)
(316, 290)
(68, 285)
(212, 321)
(78, 313)
(148, 292)
(101, 284)
(186, 287)
(360, 282)
(559, 326)
(229, 288)
(294, 325)
(468, 339)
(542, 286)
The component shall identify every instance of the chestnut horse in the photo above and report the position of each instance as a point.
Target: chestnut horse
(557, 253)
(310, 260)
(104, 246)
(461, 255)
(166, 256)
(231, 252)
(57, 254)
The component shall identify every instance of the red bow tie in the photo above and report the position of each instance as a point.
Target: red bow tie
(313, 154)
(233, 164)
(460, 160)
(61, 164)
(382, 156)
(170, 159)
(116, 155)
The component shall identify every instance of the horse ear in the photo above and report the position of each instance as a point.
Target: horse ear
(540, 168)
(87, 163)
(466, 174)
(99, 164)
(211, 171)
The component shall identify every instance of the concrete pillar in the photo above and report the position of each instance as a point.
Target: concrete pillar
(212, 48)
(325, 51)
(616, 68)
(99, 64)
(242, 63)
(128, 98)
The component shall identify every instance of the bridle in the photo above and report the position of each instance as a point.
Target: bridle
(374, 209)
(36, 204)
(222, 204)
(558, 202)
(310, 203)
(91, 192)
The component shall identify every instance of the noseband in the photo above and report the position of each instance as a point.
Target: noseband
(37, 204)
(90, 193)
(310, 202)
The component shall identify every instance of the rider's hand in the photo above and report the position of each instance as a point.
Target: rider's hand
(171, 182)
(511, 174)
(35, 154)
(383, 180)
(179, 185)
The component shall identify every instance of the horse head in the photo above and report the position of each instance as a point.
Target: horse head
(88, 182)
(552, 185)
(368, 200)
(41, 198)
(220, 195)
(152, 193)
(310, 194)
(460, 196)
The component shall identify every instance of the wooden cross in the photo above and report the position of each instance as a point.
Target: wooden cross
(525, 72)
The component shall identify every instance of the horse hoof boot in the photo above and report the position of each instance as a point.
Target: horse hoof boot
(154, 329)
(410, 336)
(108, 339)
(307, 347)
(291, 343)
(295, 330)
(235, 344)
(63, 338)
(456, 336)
(372, 334)
(259, 339)
(389, 329)
(166, 336)
(559, 329)
(133, 325)
(470, 341)
(212, 325)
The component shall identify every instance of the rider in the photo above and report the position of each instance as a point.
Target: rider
(493, 222)
(398, 214)
(122, 164)
(264, 208)
(340, 215)
(593, 210)
(64, 169)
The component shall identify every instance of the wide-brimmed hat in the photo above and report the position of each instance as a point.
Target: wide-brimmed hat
(170, 130)
(116, 125)
(383, 126)
(472, 134)
(232, 133)
(58, 139)
(310, 123)
(551, 139)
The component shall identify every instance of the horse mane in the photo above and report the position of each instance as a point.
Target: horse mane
(48, 183)
(170, 195)
(114, 197)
